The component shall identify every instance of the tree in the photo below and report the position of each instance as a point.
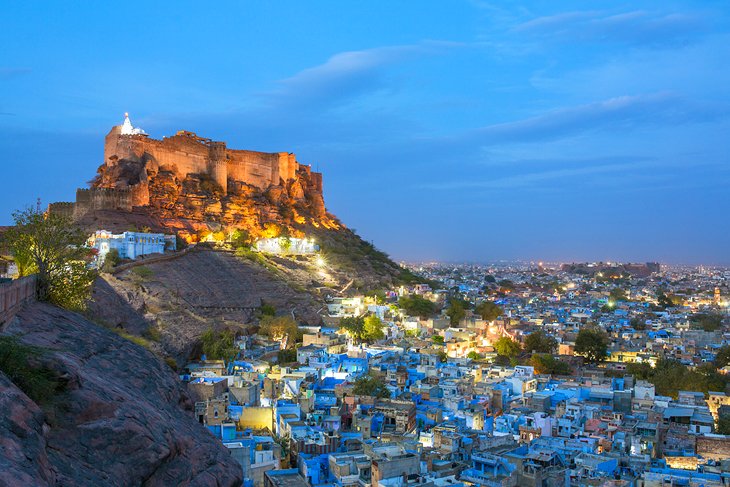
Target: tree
(354, 326)
(706, 321)
(618, 294)
(111, 259)
(278, 328)
(438, 339)
(592, 344)
(664, 301)
(287, 356)
(373, 328)
(547, 364)
(638, 322)
(378, 295)
(50, 246)
(241, 238)
(267, 309)
(488, 311)
(415, 305)
(641, 371)
(540, 342)
(722, 358)
(474, 355)
(219, 345)
(456, 311)
(723, 425)
(506, 284)
(507, 347)
(369, 385)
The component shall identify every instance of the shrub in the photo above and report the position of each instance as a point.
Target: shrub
(171, 362)
(143, 272)
(110, 261)
(17, 362)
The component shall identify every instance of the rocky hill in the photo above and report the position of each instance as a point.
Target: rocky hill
(102, 410)
(201, 190)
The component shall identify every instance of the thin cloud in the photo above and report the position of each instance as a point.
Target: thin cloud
(624, 112)
(348, 74)
(9, 73)
(635, 28)
(533, 178)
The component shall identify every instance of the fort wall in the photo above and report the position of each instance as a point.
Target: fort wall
(110, 198)
(185, 153)
(64, 209)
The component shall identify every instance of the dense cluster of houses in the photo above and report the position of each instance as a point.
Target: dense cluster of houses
(440, 418)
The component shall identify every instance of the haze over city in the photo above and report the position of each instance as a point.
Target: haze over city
(460, 131)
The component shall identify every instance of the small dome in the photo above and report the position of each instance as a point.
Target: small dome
(128, 129)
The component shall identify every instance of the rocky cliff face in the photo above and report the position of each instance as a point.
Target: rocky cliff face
(118, 416)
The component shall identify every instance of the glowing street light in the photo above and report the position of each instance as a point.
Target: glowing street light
(319, 261)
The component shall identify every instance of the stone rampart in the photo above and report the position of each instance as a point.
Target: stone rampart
(64, 209)
(110, 199)
(186, 153)
(14, 294)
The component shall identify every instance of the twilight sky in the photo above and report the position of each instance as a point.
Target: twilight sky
(449, 130)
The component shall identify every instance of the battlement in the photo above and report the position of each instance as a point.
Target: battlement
(188, 153)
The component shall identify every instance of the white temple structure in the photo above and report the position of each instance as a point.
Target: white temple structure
(128, 129)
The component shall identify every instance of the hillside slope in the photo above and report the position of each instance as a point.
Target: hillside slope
(116, 414)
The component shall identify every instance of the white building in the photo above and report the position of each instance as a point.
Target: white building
(131, 245)
(286, 246)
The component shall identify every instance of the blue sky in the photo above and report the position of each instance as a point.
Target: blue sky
(451, 130)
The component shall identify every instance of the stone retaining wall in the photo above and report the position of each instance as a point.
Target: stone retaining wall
(14, 294)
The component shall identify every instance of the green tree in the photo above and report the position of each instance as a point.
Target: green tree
(664, 301)
(506, 284)
(723, 425)
(373, 328)
(706, 321)
(278, 328)
(722, 358)
(266, 309)
(547, 364)
(415, 305)
(378, 295)
(592, 344)
(369, 385)
(488, 311)
(507, 347)
(474, 355)
(438, 339)
(618, 294)
(241, 238)
(540, 342)
(219, 345)
(456, 311)
(52, 247)
(111, 259)
(641, 370)
(287, 356)
(354, 326)
(638, 322)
